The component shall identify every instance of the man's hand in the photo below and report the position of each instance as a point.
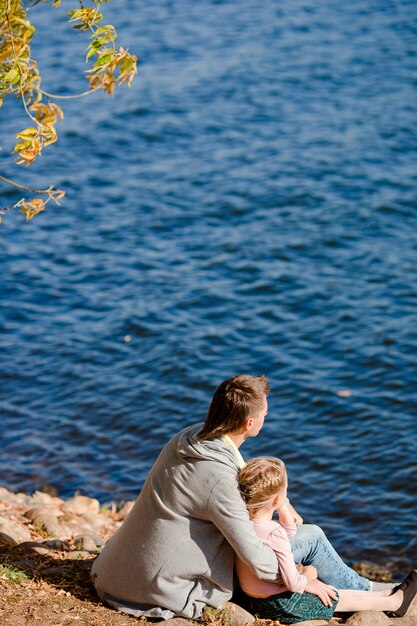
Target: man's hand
(325, 592)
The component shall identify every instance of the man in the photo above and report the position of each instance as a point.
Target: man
(174, 552)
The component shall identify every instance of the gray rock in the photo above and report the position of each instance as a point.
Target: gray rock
(57, 544)
(369, 618)
(12, 498)
(95, 520)
(404, 621)
(7, 539)
(35, 547)
(80, 505)
(176, 621)
(86, 542)
(408, 620)
(49, 523)
(373, 572)
(10, 530)
(99, 541)
(34, 512)
(42, 498)
(237, 614)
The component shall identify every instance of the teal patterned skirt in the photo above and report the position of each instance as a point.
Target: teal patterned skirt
(289, 607)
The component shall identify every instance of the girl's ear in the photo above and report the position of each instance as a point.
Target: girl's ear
(276, 500)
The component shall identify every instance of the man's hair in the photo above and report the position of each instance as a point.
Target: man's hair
(234, 401)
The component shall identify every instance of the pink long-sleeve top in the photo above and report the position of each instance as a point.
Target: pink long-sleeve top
(276, 536)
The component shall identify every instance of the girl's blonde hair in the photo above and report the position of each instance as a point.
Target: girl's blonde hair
(260, 481)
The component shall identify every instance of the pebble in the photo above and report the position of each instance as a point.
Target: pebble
(369, 618)
(176, 621)
(409, 620)
(238, 615)
(57, 544)
(80, 505)
(85, 542)
(95, 520)
(34, 512)
(40, 497)
(7, 539)
(76, 526)
(12, 498)
(49, 522)
(10, 530)
(35, 547)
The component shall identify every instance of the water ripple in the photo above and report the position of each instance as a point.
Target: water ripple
(249, 205)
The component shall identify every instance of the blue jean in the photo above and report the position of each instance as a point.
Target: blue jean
(310, 546)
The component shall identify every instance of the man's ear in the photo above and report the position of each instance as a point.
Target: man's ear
(247, 424)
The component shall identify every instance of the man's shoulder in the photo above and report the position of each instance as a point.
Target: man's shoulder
(190, 447)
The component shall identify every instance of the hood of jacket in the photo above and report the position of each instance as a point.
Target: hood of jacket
(190, 446)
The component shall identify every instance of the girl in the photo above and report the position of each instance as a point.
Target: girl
(300, 596)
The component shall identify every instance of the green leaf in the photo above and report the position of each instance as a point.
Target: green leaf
(90, 53)
(95, 44)
(75, 15)
(104, 60)
(12, 76)
(104, 29)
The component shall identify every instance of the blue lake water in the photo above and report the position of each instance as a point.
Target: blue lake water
(249, 205)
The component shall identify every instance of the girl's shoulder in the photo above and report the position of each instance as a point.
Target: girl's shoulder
(266, 528)
(272, 524)
(274, 535)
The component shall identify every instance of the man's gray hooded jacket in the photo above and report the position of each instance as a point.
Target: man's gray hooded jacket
(174, 552)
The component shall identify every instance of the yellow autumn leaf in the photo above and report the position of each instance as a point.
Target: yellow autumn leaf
(27, 133)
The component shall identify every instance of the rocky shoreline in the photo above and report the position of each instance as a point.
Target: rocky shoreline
(79, 524)
(47, 546)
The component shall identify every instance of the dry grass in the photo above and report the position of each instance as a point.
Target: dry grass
(50, 591)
